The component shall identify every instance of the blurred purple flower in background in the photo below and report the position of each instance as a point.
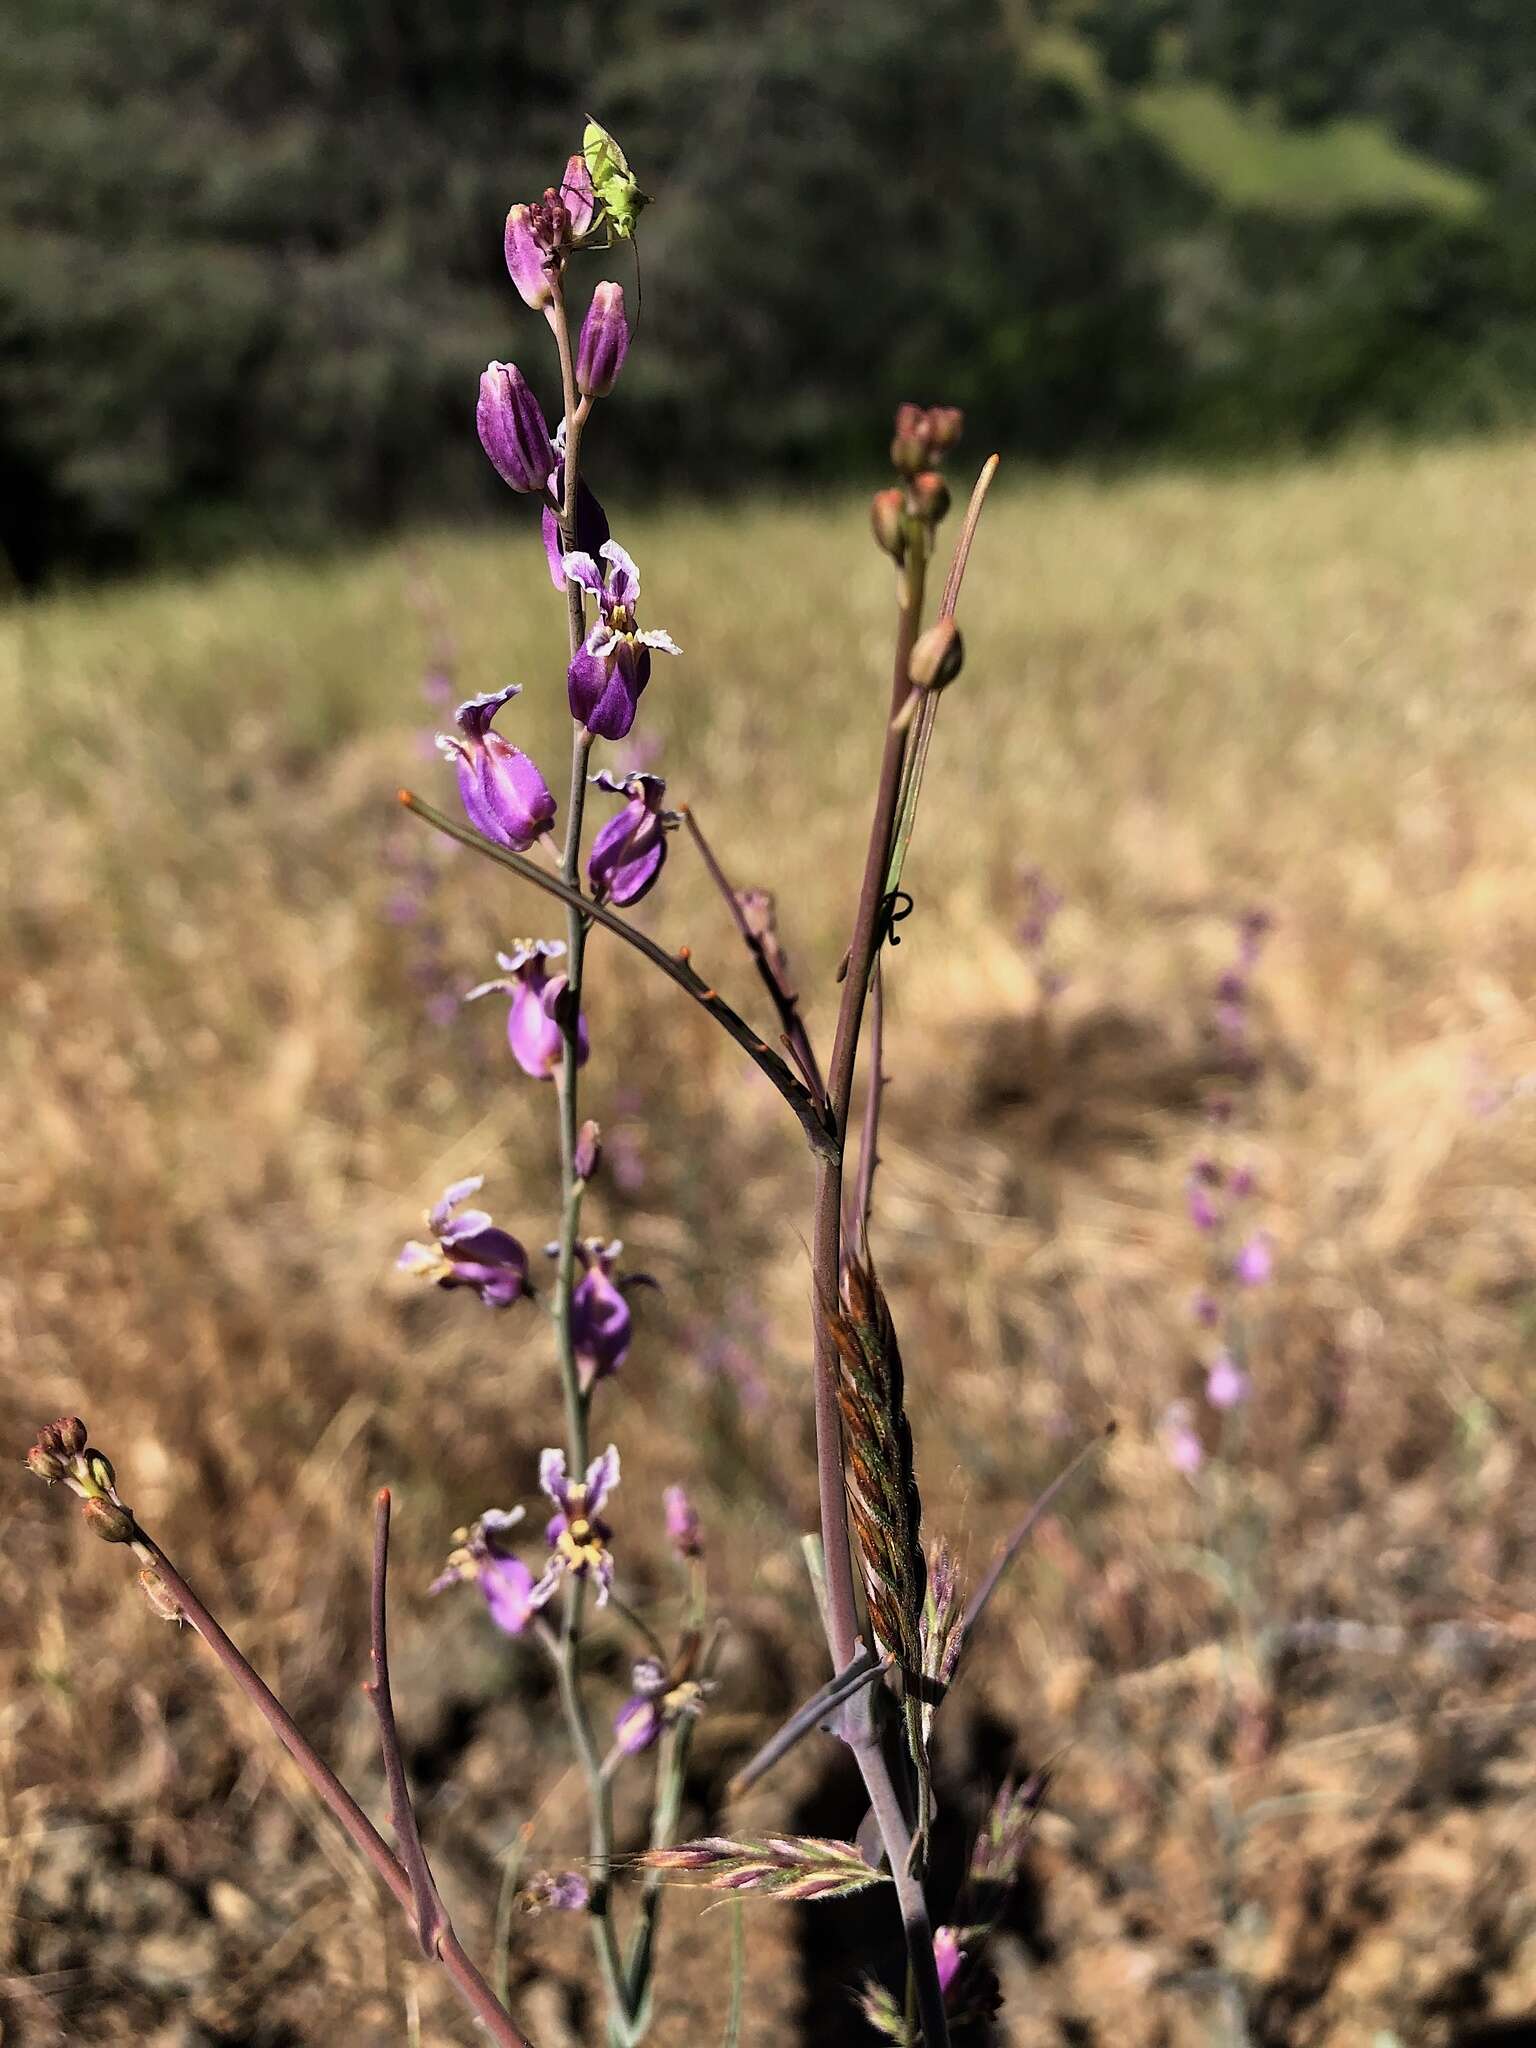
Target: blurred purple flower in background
(1186, 1453)
(546, 1892)
(1226, 1384)
(1254, 1262)
(533, 1031)
(682, 1523)
(468, 1250)
(656, 1703)
(482, 1556)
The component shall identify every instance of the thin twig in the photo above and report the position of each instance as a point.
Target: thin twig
(677, 967)
(786, 1000)
(928, 711)
(977, 1605)
(864, 1670)
(365, 1837)
(430, 1918)
(869, 1137)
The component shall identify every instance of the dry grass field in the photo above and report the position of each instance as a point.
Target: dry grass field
(1289, 1697)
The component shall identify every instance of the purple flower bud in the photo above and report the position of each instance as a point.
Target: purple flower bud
(948, 1955)
(604, 342)
(1242, 1183)
(533, 1022)
(682, 1523)
(502, 790)
(527, 259)
(469, 1251)
(930, 495)
(513, 430)
(628, 852)
(1226, 1384)
(1206, 1310)
(578, 197)
(589, 1150)
(888, 522)
(1254, 1263)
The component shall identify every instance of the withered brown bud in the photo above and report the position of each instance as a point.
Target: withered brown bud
(946, 423)
(45, 1463)
(909, 443)
(68, 1435)
(887, 518)
(938, 656)
(108, 1521)
(159, 1595)
(589, 1150)
(930, 494)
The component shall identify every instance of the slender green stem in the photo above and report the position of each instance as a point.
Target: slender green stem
(922, 1973)
(578, 1398)
(600, 1814)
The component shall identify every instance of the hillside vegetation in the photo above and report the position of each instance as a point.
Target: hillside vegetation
(1286, 1698)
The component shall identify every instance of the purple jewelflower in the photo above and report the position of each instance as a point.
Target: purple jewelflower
(601, 1318)
(482, 1557)
(604, 342)
(639, 1721)
(1205, 1309)
(576, 1533)
(682, 1523)
(592, 530)
(533, 1031)
(656, 1703)
(628, 852)
(612, 668)
(469, 1251)
(1226, 1384)
(564, 1892)
(1254, 1263)
(513, 430)
(540, 236)
(504, 795)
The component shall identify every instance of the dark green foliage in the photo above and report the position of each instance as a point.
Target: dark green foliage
(250, 258)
